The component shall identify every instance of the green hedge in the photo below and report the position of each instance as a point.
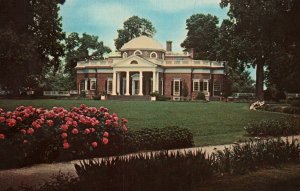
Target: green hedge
(282, 127)
(158, 139)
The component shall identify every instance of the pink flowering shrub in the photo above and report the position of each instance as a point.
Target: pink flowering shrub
(59, 134)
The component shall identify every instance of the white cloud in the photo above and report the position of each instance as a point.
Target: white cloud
(178, 5)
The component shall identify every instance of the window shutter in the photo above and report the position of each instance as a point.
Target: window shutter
(201, 86)
(172, 84)
(105, 86)
(88, 84)
(181, 92)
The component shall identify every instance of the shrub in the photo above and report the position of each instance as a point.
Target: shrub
(38, 135)
(158, 139)
(200, 96)
(272, 94)
(283, 127)
(295, 103)
(292, 110)
(241, 158)
(162, 98)
(82, 94)
(163, 171)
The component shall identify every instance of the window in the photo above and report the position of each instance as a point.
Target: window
(217, 88)
(196, 85)
(153, 55)
(205, 85)
(82, 85)
(93, 84)
(125, 55)
(109, 86)
(133, 62)
(176, 88)
(137, 52)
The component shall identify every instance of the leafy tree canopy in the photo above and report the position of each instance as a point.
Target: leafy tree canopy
(30, 35)
(86, 47)
(132, 28)
(202, 35)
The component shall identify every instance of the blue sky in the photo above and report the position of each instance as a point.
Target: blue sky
(104, 17)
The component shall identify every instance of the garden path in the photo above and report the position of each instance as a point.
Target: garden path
(38, 174)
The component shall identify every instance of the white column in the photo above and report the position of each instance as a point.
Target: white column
(162, 86)
(127, 84)
(85, 84)
(157, 81)
(141, 83)
(118, 83)
(154, 81)
(114, 83)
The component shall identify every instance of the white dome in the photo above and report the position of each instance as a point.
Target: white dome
(142, 43)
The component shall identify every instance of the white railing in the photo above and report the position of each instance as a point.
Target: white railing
(290, 95)
(94, 63)
(56, 93)
(206, 63)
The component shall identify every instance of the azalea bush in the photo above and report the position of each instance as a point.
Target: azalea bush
(40, 135)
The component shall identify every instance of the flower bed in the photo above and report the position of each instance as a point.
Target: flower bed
(35, 135)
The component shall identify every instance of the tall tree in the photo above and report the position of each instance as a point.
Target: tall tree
(202, 35)
(132, 28)
(87, 47)
(30, 35)
(258, 26)
(284, 71)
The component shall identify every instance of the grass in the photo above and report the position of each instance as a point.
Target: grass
(211, 123)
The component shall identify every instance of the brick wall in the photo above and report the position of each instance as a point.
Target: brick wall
(168, 78)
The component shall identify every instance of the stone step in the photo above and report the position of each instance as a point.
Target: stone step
(130, 98)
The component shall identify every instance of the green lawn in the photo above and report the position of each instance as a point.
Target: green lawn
(211, 123)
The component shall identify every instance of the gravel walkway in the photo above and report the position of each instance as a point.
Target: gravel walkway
(38, 174)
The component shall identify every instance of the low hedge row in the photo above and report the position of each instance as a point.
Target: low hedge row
(281, 127)
(158, 139)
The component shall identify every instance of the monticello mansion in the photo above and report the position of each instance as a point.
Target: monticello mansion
(143, 66)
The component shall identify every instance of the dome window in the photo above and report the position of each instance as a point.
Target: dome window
(137, 52)
(133, 62)
(153, 55)
(125, 55)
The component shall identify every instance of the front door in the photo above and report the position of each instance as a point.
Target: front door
(135, 87)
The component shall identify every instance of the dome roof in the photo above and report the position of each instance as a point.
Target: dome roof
(142, 43)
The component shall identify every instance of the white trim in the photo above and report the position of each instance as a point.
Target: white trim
(137, 51)
(109, 80)
(93, 80)
(198, 86)
(178, 92)
(156, 56)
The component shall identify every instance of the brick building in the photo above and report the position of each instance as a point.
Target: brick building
(143, 66)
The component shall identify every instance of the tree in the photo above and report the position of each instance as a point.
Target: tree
(87, 47)
(258, 28)
(132, 28)
(284, 71)
(202, 35)
(30, 35)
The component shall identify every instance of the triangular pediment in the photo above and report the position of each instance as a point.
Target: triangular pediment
(134, 61)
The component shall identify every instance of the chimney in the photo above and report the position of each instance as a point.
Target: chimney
(192, 53)
(169, 46)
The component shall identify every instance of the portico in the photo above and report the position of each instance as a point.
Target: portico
(130, 81)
